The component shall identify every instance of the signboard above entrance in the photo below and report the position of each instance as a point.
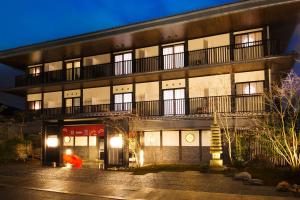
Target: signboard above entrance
(83, 130)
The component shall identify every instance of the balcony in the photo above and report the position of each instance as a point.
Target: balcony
(216, 55)
(176, 107)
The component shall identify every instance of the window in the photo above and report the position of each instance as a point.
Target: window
(170, 138)
(152, 138)
(174, 102)
(34, 70)
(92, 141)
(123, 64)
(72, 105)
(81, 141)
(250, 88)
(68, 141)
(35, 105)
(190, 138)
(248, 39)
(173, 56)
(73, 70)
(123, 102)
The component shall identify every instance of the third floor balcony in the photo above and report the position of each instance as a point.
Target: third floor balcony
(169, 60)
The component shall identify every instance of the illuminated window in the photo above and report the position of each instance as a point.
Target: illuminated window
(34, 70)
(248, 39)
(72, 105)
(174, 102)
(54, 66)
(92, 141)
(123, 102)
(152, 138)
(73, 70)
(81, 141)
(173, 56)
(170, 138)
(68, 140)
(123, 64)
(34, 105)
(190, 138)
(250, 88)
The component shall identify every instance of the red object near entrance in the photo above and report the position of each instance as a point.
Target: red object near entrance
(73, 159)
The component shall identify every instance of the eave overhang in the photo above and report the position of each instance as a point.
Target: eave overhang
(211, 21)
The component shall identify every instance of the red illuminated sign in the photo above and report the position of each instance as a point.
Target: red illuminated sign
(83, 130)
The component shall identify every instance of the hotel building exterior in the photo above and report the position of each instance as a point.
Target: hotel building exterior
(158, 82)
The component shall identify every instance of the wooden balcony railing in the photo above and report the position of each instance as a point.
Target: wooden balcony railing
(172, 107)
(215, 55)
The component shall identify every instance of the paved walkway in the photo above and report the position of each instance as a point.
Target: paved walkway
(92, 183)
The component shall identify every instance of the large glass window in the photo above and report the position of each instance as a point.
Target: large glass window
(123, 64)
(34, 70)
(170, 138)
(248, 39)
(152, 138)
(81, 141)
(250, 88)
(35, 105)
(173, 56)
(123, 102)
(174, 102)
(73, 70)
(72, 105)
(68, 141)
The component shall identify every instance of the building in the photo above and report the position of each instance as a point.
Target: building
(157, 83)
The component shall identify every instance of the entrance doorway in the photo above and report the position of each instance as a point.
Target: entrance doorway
(86, 142)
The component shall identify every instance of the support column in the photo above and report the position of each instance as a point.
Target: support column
(187, 96)
(180, 146)
(161, 109)
(233, 91)
(231, 45)
(105, 149)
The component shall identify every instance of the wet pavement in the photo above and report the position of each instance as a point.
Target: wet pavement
(28, 181)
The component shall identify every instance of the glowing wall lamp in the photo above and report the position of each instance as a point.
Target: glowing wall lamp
(52, 141)
(116, 141)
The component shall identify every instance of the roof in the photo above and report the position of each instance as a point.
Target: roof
(229, 17)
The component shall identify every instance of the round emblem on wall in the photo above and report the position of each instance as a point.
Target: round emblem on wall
(190, 137)
(67, 139)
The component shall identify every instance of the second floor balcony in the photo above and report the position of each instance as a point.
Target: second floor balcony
(172, 107)
(168, 61)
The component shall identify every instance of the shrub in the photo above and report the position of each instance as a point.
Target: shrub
(14, 149)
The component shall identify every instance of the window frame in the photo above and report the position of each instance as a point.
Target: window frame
(247, 44)
(123, 104)
(29, 103)
(174, 102)
(249, 84)
(174, 57)
(75, 71)
(34, 68)
(121, 64)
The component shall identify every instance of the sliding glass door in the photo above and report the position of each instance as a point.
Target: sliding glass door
(174, 102)
(173, 56)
